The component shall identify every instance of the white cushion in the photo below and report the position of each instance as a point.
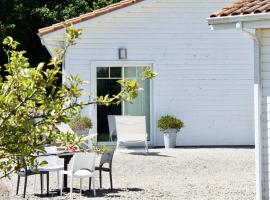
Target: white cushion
(51, 168)
(82, 173)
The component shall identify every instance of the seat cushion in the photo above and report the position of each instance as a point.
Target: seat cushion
(51, 168)
(31, 172)
(83, 173)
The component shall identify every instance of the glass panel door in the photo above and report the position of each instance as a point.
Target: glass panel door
(141, 105)
(107, 78)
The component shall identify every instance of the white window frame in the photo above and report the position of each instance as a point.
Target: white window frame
(93, 90)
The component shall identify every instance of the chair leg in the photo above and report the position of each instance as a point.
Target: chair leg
(93, 183)
(41, 184)
(48, 183)
(111, 179)
(25, 185)
(100, 178)
(71, 187)
(58, 179)
(35, 181)
(80, 187)
(61, 184)
(18, 185)
(90, 184)
(146, 147)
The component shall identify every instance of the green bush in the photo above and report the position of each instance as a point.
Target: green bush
(170, 122)
(80, 123)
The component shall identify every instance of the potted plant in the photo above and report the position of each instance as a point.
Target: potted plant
(170, 126)
(81, 125)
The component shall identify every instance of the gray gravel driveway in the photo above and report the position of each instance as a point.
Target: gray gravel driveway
(177, 174)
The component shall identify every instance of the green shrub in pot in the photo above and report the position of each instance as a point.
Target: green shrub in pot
(81, 124)
(170, 122)
(170, 125)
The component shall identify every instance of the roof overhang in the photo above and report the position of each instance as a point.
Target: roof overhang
(55, 39)
(251, 21)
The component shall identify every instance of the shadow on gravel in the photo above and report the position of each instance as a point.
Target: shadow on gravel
(114, 193)
(99, 193)
(149, 154)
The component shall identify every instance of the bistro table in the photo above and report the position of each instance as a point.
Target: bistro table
(67, 157)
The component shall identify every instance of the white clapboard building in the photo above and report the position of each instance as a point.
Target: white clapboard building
(204, 77)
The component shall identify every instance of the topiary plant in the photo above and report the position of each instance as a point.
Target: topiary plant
(170, 122)
(80, 123)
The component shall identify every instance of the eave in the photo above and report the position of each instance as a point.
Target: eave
(251, 21)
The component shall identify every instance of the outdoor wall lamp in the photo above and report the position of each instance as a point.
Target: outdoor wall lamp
(122, 53)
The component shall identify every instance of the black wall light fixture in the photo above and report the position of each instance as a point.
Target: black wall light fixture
(122, 53)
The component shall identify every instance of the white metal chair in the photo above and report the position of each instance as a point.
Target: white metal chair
(54, 164)
(82, 166)
(112, 126)
(131, 129)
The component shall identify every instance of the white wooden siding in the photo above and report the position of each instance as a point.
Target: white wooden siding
(204, 77)
(265, 118)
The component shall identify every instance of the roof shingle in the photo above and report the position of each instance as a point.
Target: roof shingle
(243, 7)
(84, 17)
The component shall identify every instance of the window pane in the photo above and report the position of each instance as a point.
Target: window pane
(140, 72)
(116, 72)
(141, 105)
(102, 72)
(130, 72)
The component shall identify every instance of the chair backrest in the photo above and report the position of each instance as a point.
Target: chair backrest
(22, 163)
(90, 140)
(83, 160)
(64, 128)
(107, 157)
(52, 160)
(112, 125)
(131, 128)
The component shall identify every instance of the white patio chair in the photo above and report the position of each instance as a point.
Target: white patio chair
(54, 163)
(112, 126)
(131, 129)
(82, 166)
(64, 128)
(89, 140)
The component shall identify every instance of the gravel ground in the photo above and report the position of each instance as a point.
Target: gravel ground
(183, 173)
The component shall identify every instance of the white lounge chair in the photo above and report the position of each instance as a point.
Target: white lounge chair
(82, 166)
(130, 130)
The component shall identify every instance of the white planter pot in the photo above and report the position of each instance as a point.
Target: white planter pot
(170, 138)
(84, 132)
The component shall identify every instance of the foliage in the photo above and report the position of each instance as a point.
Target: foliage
(32, 104)
(80, 123)
(27, 16)
(170, 122)
(148, 74)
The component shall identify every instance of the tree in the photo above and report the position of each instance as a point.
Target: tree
(23, 18)
(32, 104)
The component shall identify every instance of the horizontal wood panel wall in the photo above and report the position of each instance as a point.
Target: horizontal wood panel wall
(204, 77)
(265, 118)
